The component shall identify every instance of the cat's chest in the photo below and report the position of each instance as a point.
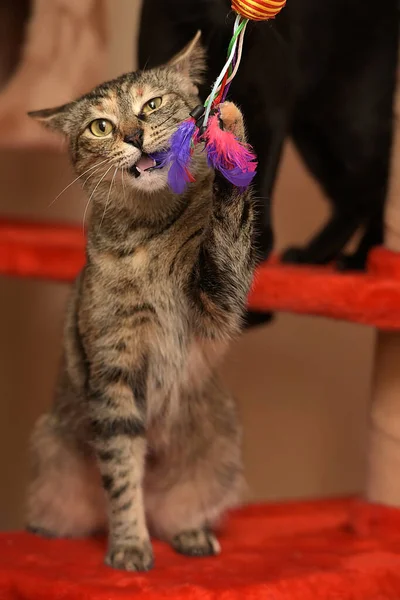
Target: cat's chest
(122, 266)
(175, 377)
(156, 268)
(136, 295)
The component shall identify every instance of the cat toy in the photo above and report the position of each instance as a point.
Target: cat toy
(235, 160)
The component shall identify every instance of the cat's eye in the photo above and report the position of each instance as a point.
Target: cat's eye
(151, 105)
(101, 127)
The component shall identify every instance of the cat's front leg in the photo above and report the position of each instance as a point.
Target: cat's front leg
(222, 274)
(116, 399)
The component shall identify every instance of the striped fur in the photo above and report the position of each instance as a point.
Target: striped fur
(142, 436)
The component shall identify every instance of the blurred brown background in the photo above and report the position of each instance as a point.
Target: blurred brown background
(302, 383)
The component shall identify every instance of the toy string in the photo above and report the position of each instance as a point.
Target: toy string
(234, 68)
(221, 85)
(224, 87)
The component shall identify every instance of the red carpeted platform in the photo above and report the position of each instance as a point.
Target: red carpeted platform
(56, 252)
(294, 551)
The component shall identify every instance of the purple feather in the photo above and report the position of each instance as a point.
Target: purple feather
(161, 158)
(178, 157)
(237, 176)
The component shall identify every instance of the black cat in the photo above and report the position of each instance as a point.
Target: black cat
(324, 73)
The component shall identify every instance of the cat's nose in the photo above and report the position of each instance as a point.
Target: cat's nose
(135, 138)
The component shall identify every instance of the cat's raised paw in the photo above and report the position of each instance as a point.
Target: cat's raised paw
(196, 542)
(232, 119)
(131, 558)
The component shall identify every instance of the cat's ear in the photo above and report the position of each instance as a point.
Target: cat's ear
(191, 60)
(53, 118)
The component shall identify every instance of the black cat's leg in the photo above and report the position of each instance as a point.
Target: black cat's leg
(166, 26)
(357, 196)
(325, 245)
(160, 36)
(343, 129)
(372, 236)
(344, 221)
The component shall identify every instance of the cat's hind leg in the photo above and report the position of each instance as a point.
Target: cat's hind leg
(65, 498)
(197, 480)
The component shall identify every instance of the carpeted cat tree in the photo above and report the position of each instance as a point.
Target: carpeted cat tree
(328, 550)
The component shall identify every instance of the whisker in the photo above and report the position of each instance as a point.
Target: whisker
(123, 183)
(91, 175)
(108, 197)
(91, 195)
(76, 179)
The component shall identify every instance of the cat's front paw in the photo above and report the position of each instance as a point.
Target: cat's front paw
(232, 119)
(197, 542)
(131, 558)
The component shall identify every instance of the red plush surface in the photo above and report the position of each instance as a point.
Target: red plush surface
(41, 250)
(294, 551)
(56, 252)
(371, 298)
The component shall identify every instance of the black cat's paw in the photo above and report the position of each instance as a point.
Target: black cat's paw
(350, 262)
(131, 558)
(254, 318)
(294, 255)
(305, 256)
(197, 542)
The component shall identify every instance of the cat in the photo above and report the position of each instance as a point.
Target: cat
(141, 428)
(323, 73)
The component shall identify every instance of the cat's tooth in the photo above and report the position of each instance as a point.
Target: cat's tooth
(136, 172)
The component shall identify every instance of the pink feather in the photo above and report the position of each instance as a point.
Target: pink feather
(236, 161)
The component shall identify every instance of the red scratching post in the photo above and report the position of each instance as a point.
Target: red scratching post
(383, 483)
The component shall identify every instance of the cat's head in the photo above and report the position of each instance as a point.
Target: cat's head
(113, 129)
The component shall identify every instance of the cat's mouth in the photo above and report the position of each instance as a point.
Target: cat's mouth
(145, 164)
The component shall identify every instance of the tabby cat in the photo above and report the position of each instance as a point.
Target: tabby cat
(141, 429)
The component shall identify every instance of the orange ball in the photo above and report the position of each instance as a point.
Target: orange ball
(258, 10)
